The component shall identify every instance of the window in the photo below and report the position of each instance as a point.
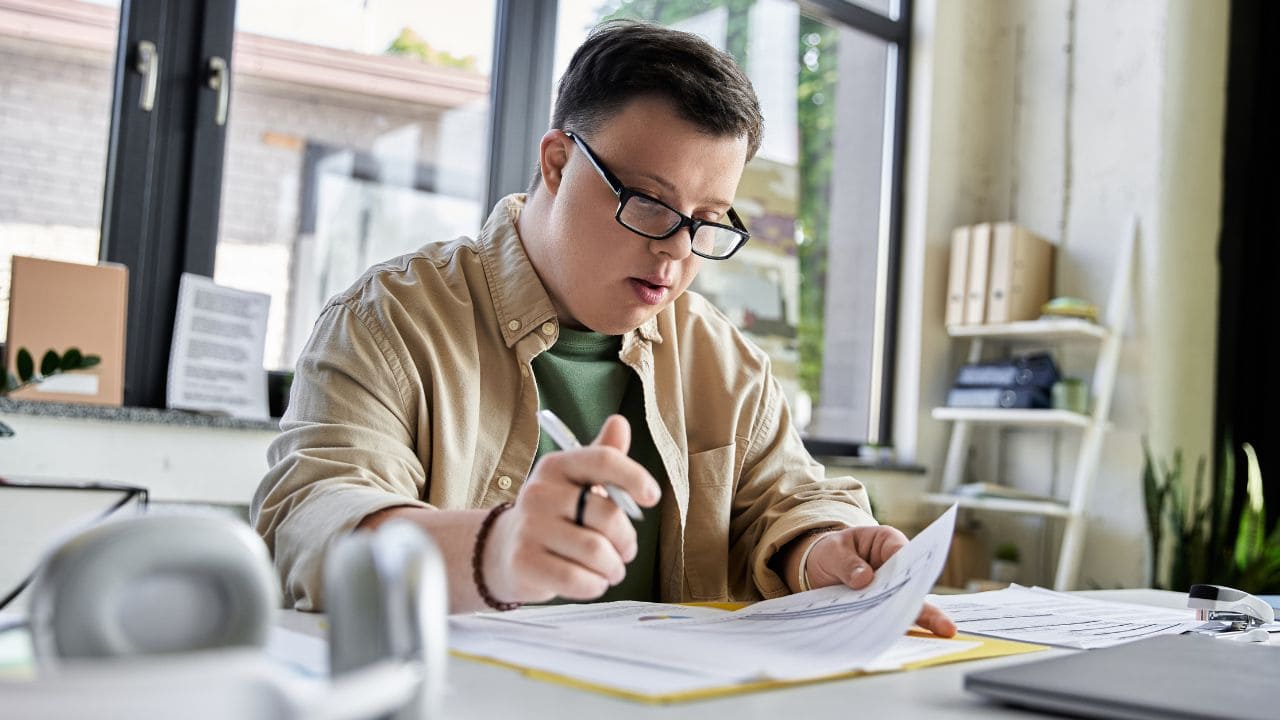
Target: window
(356, 134)
(814, 287)
(361, 129)
(55, 110)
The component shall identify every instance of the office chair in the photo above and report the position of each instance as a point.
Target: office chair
(164, 616)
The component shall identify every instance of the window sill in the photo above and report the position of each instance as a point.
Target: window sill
(854, 462)
(151, 416)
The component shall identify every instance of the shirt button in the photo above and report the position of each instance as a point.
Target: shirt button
(514, 325)
(504, 482)
(548, 328)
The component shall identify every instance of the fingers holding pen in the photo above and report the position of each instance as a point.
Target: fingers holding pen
(545, 553)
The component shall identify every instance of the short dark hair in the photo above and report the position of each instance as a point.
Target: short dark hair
(622, 60)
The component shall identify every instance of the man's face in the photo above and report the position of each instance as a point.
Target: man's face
(600, 275)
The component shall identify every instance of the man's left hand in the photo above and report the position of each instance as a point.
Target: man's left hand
(851, 557)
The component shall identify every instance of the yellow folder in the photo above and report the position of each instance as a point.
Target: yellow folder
(987, 648)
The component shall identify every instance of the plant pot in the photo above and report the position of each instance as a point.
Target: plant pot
(1004, 571)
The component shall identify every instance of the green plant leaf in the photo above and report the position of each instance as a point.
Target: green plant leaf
(26, 365)
(1250, 538)
(1177, 498)
(1223, 491)
(89, 361)
(1199, 508)
(50, 363)
(1154, 496)
(71, 359)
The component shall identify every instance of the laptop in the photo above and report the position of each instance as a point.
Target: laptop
(1167, 676)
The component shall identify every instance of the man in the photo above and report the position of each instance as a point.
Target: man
(417, 395)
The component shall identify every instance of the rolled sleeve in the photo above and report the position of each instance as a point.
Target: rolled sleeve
(346, 451)
(784, 493)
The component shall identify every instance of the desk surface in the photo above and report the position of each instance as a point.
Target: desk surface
(478, 690)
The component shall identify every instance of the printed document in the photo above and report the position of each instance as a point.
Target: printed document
(659, 648)
(1037, 615)
(219, 338)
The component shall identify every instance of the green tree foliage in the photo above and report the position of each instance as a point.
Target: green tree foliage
(816, 118)
(410, 44)
(817, 48)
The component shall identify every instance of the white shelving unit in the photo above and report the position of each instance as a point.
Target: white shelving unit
(1092, 426)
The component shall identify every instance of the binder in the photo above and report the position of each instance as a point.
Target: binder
(1020, 274)
(975, 304)
(59, 305)
(958, 279)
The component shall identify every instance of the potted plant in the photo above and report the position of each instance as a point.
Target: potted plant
(1004, 562)
(1190, 528)
(51, 363)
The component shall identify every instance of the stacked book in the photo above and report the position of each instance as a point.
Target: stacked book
(1020, 382)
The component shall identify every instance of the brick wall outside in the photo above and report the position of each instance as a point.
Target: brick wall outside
(55, 105)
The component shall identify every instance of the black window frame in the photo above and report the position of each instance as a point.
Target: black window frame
(895, 30)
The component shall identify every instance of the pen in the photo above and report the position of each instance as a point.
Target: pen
(563, 437)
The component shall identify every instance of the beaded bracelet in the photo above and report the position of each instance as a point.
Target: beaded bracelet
(477, 557)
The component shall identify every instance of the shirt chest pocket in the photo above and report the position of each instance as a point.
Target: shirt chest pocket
(707, 530)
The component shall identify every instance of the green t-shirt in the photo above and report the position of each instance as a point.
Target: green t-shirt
(582, 380)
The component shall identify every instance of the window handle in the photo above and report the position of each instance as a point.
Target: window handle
(219, 82)
(148, 65)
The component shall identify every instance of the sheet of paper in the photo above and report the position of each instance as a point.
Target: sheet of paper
(219, 338)
(822, 632)
(1037, 615)
(305, 654)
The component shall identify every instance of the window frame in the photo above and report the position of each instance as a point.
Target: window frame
(895, 31)
(167, 223)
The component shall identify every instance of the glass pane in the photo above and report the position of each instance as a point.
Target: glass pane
(807, 287)
(55, 116)
(888, 8)
(358, 131)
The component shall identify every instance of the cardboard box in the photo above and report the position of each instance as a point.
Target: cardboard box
(57, 305)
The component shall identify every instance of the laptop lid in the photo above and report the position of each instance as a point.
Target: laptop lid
(1168, 676)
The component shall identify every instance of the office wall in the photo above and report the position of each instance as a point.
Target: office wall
(176, 463)
(1068, 116)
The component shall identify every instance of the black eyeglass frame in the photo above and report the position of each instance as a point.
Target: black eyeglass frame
(624, 194)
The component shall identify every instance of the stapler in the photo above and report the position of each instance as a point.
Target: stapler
(1227, 611)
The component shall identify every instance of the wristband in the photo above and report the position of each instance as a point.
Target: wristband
(477, 559)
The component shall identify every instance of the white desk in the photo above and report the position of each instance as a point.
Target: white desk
(478, 690)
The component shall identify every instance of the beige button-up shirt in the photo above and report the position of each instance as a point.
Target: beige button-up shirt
(416, 389)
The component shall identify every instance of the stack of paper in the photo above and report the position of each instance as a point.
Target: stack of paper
(1037, 615)
(654, 648)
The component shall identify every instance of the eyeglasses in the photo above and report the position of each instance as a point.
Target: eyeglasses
(652, 218)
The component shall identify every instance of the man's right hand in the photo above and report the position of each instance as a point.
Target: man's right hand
(536, 552)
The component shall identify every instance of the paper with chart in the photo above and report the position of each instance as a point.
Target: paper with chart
(1045, 617)
(651, 647)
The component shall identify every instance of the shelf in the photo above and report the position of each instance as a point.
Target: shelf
(1049, 508)
(1033, 330)
(1035, 418)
